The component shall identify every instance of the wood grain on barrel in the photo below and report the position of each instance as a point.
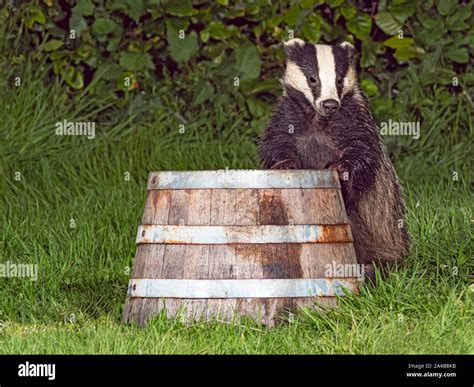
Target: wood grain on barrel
(222, 261)
(237, 207)
(175, 254)
(196, 264)
(149, 258)
(159, 214)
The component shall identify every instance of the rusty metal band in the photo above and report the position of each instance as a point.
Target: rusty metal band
(243, 178)
(172, 234)
(239, 288)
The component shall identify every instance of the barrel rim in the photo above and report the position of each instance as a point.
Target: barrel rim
(240, 288)
(244, 179)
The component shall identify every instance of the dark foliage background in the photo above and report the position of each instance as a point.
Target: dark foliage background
(122, 62)
(124, 47)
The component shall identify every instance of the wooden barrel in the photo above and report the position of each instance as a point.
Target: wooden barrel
(259, 243)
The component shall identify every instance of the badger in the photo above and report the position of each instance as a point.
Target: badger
(323, 121)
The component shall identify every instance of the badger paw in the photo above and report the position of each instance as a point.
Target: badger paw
(285, 164)
(342, 169)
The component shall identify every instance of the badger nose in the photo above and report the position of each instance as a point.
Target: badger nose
(329, 106)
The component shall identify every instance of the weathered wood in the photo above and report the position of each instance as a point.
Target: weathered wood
(313, 206)
(221, 260)
(196, 265)
(149, 258)
(235, 226)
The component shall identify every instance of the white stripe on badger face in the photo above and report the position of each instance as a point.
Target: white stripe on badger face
(327, 74)
(295, 78)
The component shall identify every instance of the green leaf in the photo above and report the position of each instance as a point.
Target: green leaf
(116, 5)
(252, 9)
(204, 35)
(181, 50)
(270, 85)
(180, 7)
(387, 23)
(370, 50)
(312, 28)
(431, 38)
(35, 14)
(292, 16)
(109, 70)
(257, 107)
(427, 21)
(396, 42)
(73, 77)
(218, 30)
(78, 24)
(227, 68)
(247, 61)
(334, 3)
(458, 55)
(311, 32)
(204, 91)
(405, 53)
(457, 22)
(274, 21)
(468, 78)
(360, 26)
(369, 87)
(401, 12)
(457, 25)
(136, 61)
(113, 43)
(53, 45)
(307, 3)
(178, 23)
(429, 78)
(84, 8)
(85, 51)
(136, 9)
(348, 11)
(103, 26)
(446, 7)
(215, 51)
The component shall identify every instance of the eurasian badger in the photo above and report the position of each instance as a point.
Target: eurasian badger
(323, 121)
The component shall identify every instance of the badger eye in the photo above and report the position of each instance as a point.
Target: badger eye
(312, 79)
(339, 81)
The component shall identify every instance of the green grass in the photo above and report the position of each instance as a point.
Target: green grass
(425, 306)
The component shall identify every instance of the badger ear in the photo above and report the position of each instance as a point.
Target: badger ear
(349, 48)
(294, 49)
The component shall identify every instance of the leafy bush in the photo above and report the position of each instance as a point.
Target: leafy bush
(221, 53)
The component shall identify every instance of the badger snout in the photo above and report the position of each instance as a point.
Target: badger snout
(329, 106)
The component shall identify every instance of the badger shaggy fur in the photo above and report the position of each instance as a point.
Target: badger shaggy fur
(322, 121)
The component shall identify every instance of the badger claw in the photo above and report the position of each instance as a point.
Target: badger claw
(285, 164)
(342, 169)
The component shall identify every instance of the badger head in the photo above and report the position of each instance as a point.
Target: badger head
(320, 74)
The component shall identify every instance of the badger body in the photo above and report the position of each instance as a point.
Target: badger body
(322, 121)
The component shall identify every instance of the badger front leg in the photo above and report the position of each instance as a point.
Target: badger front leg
(357, 169)
(278, 151)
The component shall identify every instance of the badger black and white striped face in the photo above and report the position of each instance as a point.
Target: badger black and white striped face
(322, 74)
